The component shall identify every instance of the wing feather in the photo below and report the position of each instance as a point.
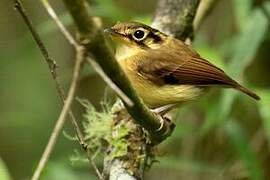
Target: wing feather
(179, 64)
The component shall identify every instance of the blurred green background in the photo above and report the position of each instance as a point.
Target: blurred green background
(225, 135)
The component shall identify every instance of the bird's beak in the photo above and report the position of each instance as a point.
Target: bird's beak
(110, 31)
(116, 36)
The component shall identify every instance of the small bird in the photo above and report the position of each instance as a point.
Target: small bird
(164, 70)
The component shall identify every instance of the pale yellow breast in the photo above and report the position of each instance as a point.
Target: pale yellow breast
(154, 95)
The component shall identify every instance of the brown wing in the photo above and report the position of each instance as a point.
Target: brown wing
(184, 66)
(193, 71)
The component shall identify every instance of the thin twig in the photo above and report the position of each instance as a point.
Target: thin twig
(96, 67)
(52, 66)
(60, 90)
(58, 22)
(96, 168)
(74, 43)
(61, 120)
(51, 63)
(77, 47)
(109, 82)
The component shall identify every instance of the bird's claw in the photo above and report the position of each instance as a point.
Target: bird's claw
(160, 112)
(162, 121)
(163, 109)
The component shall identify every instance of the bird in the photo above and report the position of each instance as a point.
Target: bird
(163, 70)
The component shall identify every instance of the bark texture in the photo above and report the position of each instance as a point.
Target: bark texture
(175, 17)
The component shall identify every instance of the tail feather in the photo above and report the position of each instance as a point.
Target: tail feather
(247, 92)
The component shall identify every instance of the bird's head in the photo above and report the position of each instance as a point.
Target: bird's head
(134, 34)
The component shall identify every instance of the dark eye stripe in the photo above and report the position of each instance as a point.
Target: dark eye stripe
(151, 35)
(155, 37)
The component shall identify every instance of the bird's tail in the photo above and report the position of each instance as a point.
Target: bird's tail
(247, 92)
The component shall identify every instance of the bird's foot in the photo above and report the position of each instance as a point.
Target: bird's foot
(163, 109)
(160, 113)
(162, 121)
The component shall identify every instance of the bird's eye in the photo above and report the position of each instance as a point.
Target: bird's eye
(138, 35)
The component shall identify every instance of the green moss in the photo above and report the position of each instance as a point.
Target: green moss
(118, 142)
(100, 127)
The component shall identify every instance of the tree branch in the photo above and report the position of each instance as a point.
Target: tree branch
(51, 64)
(66, 102)
(93, 40)
(74, 43)
(60, 25)
(62, 117)
(109, 82)
(175, 17)
(117, 172)
(96, 45)
(172, 17)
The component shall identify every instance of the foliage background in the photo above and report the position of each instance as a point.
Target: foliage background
(224, 135)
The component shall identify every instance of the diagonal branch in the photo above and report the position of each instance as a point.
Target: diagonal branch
(77, 46)
(60, 25)
(61, 119)
(67, 102)
(108, 81)
(95, 43)
(96, 46)
(51, 64)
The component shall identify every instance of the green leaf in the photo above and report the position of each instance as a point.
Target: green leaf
(240, 144)
(4, 174)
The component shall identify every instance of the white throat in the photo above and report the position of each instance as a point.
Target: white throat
(124, 51)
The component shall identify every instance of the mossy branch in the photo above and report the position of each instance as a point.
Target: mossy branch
(93, 40)
(131, 165)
